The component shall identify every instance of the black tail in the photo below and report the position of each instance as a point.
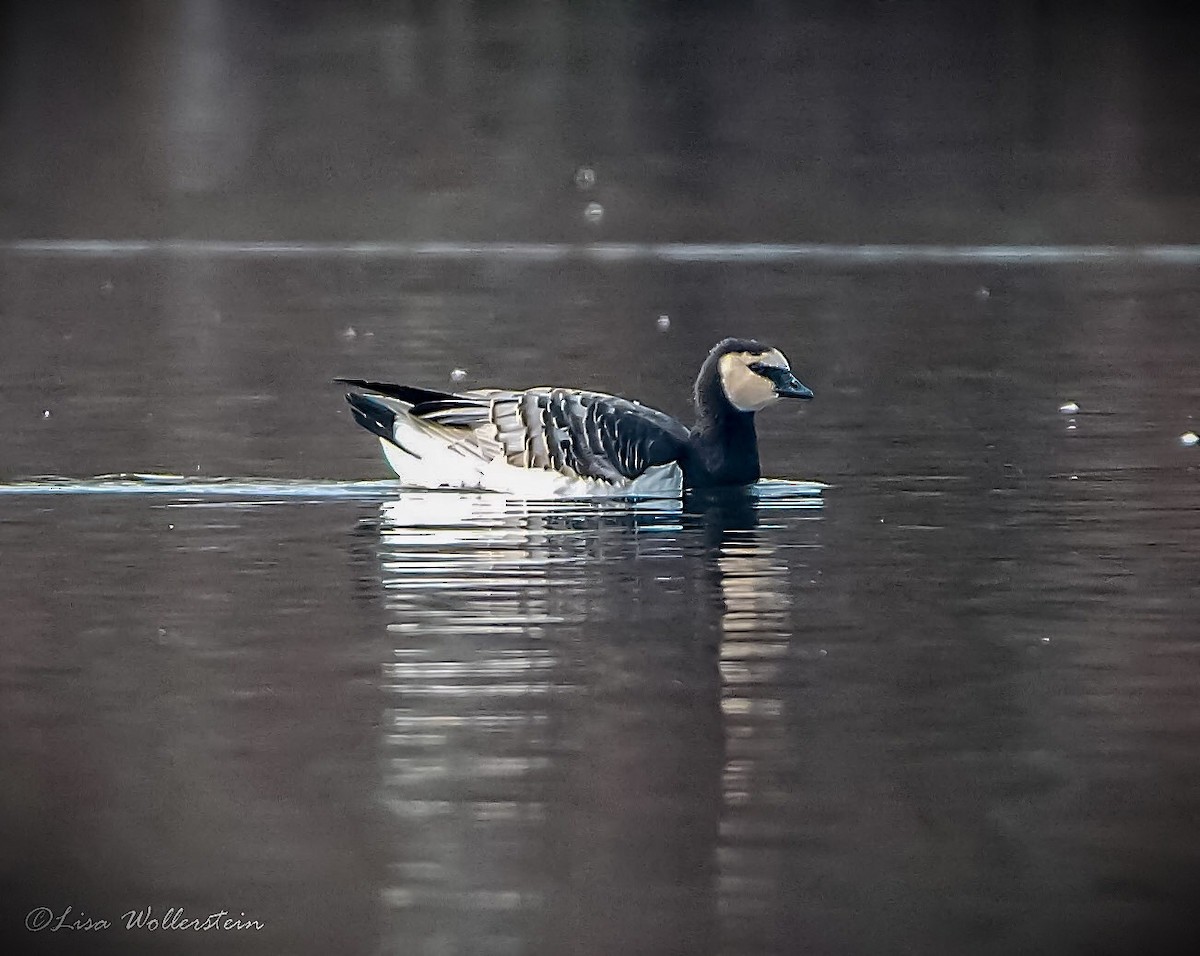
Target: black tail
(406, 393)
(373, 415)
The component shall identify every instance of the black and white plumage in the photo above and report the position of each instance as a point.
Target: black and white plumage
(563, 442)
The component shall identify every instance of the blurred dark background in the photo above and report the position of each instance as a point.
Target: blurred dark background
(925, 121)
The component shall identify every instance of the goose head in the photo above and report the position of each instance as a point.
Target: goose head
(748, 376)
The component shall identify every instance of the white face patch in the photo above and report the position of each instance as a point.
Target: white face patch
(748, 391)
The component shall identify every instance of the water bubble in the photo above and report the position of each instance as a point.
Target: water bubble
(1071, 426)
(664, 322)
(983, 292)
(1189, 439)
(1070, 408)
(585, 178)
(593, 212)
(45, 413)
(349, 333)
(458, 374)
(106, 286)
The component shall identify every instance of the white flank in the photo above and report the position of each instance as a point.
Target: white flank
(445, 466)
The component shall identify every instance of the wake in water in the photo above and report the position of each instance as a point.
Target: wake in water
(184, 487)
(770, 492)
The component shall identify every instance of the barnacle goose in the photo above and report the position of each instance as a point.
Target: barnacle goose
(565, 442)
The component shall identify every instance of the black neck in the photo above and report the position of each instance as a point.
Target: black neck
(723, 447)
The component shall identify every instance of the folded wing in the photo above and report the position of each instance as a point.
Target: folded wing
(575, 433)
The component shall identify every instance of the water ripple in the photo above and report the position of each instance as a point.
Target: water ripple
(621, 252)
(410, 508)
(181, 486)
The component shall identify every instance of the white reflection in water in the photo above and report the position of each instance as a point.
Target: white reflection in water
(578, 698)
(757, 594)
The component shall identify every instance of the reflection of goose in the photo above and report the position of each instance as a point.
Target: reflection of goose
(561, 442)
(751, 578)
(560, 679)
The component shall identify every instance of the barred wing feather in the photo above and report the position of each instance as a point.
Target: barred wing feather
(576, 433)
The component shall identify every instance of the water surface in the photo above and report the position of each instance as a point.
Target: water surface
(947, 705)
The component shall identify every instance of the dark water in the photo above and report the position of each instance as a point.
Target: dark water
(948, 706)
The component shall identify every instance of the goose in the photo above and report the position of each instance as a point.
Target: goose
(575, 443)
